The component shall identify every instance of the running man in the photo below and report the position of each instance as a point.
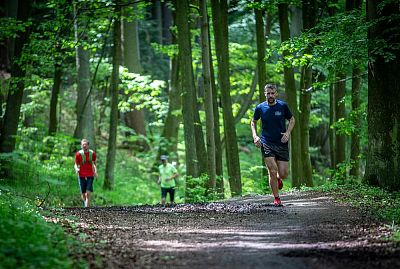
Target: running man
(85, 167)
(274, 137)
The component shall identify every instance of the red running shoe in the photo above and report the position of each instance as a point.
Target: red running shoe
(280, 183)
(277, 201)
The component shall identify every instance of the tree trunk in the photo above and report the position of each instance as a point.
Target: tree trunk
(383, 155)
(355, 136)
(220, 23)
(305, 109)
(290, 89)
(261, 47)
(84, 127)
(217, 135)
(14, 99)
(340, 92)
(309, 20)
(134, 119)
(186, 71)
(332, 117)
(114, 89)
(208, 103)
(355, 104)
(55, 91)
(261, 68)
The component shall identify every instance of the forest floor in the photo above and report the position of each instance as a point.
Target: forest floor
(310, 231)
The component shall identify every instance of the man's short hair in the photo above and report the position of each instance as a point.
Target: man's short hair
(85, 140)
(270, 86)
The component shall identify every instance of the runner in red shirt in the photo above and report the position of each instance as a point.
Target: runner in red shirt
(85, 167)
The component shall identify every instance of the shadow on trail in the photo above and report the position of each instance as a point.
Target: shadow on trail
(309, 232)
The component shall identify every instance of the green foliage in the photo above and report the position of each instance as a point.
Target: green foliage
(334, 43)
(27, 240)
(197, 192)
(379, 202)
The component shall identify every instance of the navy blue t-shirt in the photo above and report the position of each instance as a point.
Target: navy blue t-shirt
(273, 119)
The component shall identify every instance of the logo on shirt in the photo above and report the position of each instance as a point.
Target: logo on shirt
(278, 113)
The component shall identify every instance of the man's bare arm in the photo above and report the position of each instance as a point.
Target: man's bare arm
(286, 135)
(256, 138)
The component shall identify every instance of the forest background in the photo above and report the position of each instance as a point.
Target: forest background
(145, 78)
(182, 78)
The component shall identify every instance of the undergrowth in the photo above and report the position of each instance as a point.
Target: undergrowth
(383, 204)
(28, 241)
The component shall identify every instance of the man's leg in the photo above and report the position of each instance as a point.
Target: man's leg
(87, 198)
(272, 172)
(163, 195)
(89, 189)
(172, 195)
(283, 168)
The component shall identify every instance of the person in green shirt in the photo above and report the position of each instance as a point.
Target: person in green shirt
(166, 179)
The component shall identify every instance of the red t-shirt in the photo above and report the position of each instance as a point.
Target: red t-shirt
(86, 169)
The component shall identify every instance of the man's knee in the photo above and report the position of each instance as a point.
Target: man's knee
(283, 174)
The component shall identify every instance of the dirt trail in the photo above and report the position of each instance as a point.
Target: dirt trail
(310, 231)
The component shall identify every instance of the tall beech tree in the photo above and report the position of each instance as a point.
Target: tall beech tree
(355, 150)
(135, 118)
(220, 23)
(84, 112)
(208, 104)
(16, 91)
(187, 82)
(383, 154)
(290, 87)
(309, 20)
(114, 90)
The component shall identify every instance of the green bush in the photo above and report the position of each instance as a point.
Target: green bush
(27, 240)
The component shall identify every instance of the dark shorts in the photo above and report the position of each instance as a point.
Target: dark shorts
(86, 184)
(280, 152)
(171, 192)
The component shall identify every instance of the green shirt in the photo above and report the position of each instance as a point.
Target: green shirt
(166, 172)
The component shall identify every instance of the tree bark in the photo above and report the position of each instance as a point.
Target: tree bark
(309, 20)
(114, 90)
(55, 91)
(290, 89)
(208, 104)
(355, 136)
(340, 109)
(186, 71)
(383, 155)
(355, 104)
(84, 127)
(135, 118)
(220, 23)
(14, 99)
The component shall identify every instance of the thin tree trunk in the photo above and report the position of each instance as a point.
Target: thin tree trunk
(332, 117)
(340, 92)
(84, 127)
(14, 99)
(355, 104)
(305, 108)
(208, 104)
(217, 135)
(355, 136)
(134, 119)
(290, 88)
(261, 68)
(114, 88)
(309, 20)
(55, 91)
(186, 71)
(220, 23)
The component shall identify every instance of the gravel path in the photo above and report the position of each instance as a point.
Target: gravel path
(310, 231)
